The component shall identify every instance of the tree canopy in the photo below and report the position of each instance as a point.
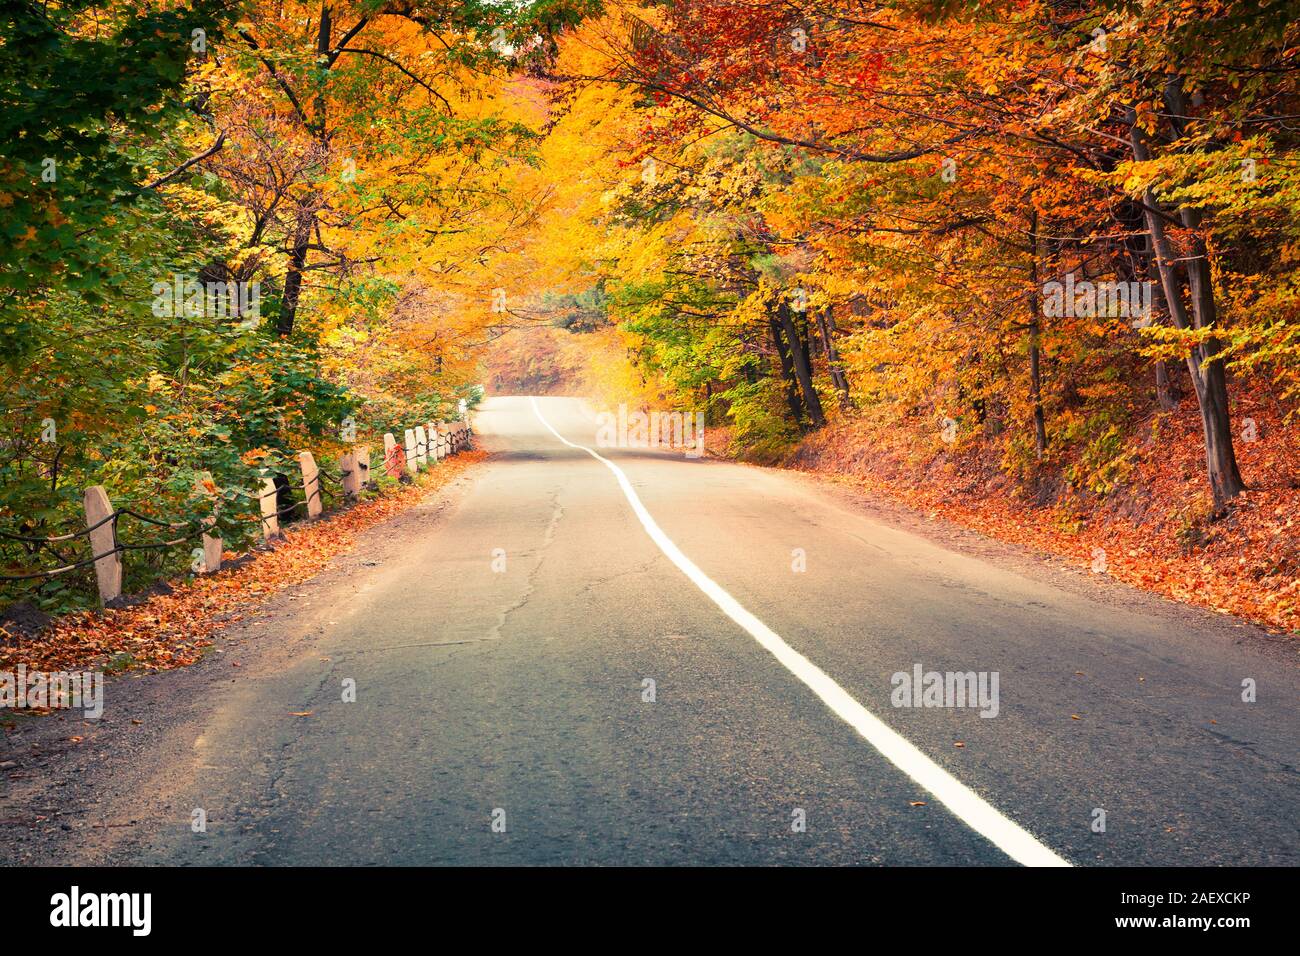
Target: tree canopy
(1024, 236)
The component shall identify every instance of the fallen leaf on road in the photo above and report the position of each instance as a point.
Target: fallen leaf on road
(300, 713)
(918, 803)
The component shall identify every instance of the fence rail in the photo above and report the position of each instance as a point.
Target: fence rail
(425, 444)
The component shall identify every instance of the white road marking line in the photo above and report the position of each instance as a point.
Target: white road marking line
(963, 802)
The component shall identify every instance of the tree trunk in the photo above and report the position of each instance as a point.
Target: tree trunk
(802, 369)
(1203, 364)
(826, 325)
(307, 211)
(293, 276)
(787, 373)
(1035, 336)
(1166, 395)
(1166, 392)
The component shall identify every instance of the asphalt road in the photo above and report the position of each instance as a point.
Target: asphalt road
(501, 656)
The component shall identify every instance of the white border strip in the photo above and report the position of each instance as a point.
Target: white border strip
(963, 802)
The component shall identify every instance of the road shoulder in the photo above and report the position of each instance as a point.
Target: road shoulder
(79, 786)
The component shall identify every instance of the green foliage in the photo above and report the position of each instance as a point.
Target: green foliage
(76, 107)
(761, 423)
(1105, 459)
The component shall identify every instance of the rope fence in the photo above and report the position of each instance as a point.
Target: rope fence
(422, 446)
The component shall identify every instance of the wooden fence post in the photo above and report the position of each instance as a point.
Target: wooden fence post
(421, 446)
(310, 483)
(435, 441)
(412, 462)
(393, 463)
(269, 502)
(363, 464)
(103, 541)
(351, 472)
(212, 547)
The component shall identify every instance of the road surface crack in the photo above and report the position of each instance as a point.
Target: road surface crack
(530, 585)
